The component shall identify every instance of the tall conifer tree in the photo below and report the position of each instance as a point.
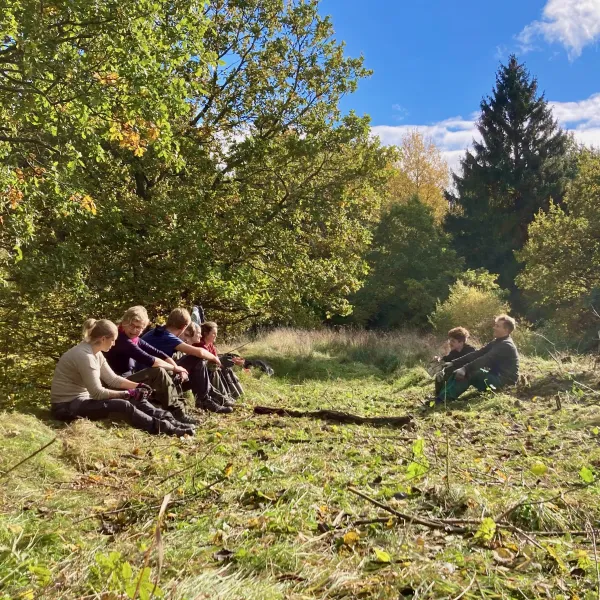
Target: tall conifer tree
(520, 163)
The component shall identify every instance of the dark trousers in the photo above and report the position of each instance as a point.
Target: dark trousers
(141, 415)
(165, 391)
(199, 381)
(452, 388)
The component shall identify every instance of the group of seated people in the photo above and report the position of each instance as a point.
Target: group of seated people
(493, 367)
(114, 370)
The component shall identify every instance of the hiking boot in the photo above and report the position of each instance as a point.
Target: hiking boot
(222, 399)
(210, 405)
(178, 414)
(179, 430)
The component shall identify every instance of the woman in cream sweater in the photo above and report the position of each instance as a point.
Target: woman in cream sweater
(78, 387)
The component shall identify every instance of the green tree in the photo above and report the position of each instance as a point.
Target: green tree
(520, 164)
(411, 265)
(560, 275)
(261, 204)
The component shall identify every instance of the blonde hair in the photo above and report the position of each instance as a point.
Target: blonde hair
(94, 330)
(509, 322)
(135, 313)
(208, 327)
(178, 318)
(191, 330)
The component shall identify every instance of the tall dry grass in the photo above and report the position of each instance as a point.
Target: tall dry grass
(387, 351)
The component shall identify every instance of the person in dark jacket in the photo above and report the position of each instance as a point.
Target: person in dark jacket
(457, 340)
(495, 366)
(155, 367)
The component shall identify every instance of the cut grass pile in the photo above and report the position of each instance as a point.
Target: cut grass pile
(262, 507)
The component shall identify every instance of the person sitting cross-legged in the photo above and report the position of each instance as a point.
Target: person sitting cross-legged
(78, 386)
(495, 366)
(131, 352)
(457, 340)
(168, 338)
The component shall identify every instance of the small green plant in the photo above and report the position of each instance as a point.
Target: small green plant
(419, 465)
(113, 574)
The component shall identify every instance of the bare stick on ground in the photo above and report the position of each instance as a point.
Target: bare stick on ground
(337, 416)
(27, 458)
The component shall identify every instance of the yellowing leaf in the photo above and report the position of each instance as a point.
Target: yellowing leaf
(351, 538)
(228, 470)
(539, 469)
(503, 555)
(382, 555)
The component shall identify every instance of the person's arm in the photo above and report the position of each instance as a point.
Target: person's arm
(467, 358)
(499, 353)
(91, 372)
(452, 355)
(199, 352)
(161, 359)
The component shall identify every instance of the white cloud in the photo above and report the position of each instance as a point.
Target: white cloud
(453, 136)
(572, 23)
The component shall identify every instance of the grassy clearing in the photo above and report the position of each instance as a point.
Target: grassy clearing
(260, 507)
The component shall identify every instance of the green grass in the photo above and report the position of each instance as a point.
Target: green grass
(263, 510)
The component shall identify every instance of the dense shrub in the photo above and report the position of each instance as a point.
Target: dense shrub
(473, 302)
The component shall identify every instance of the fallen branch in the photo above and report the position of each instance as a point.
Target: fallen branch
(410, 518)
(336, 416)
(448, 525)
(27, 458)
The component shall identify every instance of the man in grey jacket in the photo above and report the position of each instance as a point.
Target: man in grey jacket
(494, 366)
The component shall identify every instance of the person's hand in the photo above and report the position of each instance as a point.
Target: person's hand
(460, 373)
(139, 393)
(238, 360)
(183, 373)
(217, 361)
(144, 386)
(437, 358)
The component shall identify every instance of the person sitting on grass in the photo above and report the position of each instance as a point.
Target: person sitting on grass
(493, 367)
(168, 338)
(223, 379)
(78, 391)
(457, 340)
(130, 352)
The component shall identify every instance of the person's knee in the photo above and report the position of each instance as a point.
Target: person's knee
(122, 406)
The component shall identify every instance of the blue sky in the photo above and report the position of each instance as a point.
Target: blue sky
(433, 60)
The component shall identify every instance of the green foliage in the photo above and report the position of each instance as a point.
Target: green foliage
(486, 530)
(199, 154)
(411, 265)
(560, 274)
(521, 163)
(474, 300)
(111, 572)
(419, 464)
(587, 475)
